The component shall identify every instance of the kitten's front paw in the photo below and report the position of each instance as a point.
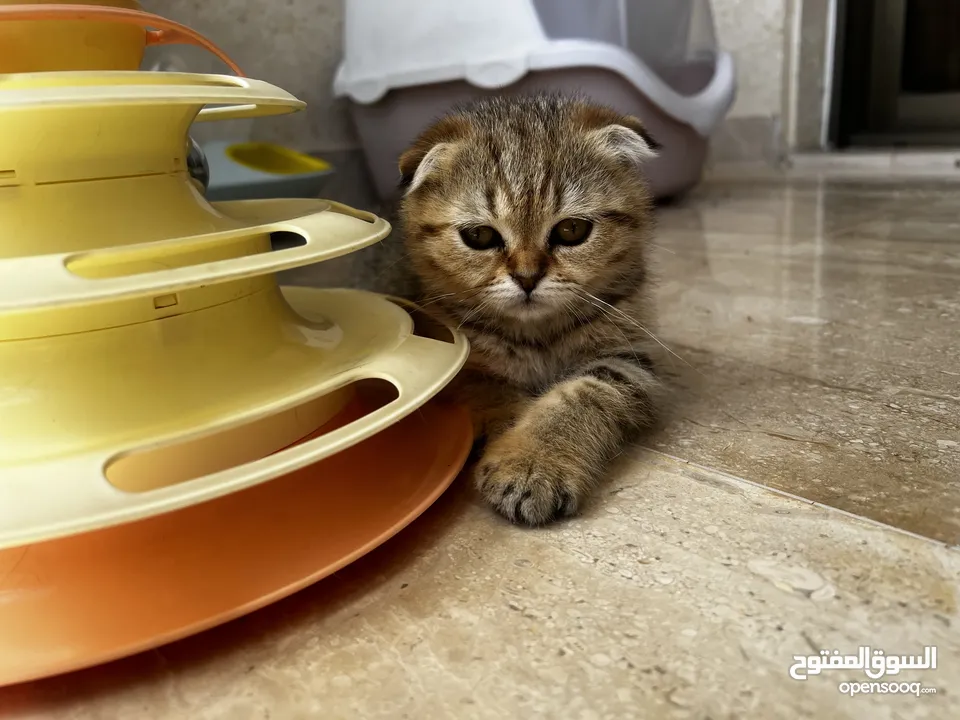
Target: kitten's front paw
(526, 484)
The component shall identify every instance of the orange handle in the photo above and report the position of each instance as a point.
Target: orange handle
(159, 30)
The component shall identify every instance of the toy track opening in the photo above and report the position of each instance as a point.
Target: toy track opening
(103, 264)
(177, 462)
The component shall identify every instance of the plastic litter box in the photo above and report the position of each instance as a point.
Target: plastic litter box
(408, 61)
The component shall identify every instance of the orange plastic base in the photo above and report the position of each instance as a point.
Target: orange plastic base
(83, 600)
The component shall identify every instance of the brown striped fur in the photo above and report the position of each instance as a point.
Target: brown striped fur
(560, 379)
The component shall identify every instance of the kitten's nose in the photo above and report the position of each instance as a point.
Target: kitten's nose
(528, 280)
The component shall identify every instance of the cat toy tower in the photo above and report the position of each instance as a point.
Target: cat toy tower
(181, 439)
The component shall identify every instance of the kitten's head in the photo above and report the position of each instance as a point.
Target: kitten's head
(517, 209)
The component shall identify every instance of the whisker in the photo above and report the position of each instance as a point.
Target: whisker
(473, 313)
(437, 298)
(403, 256)
(633, 321)
(618, 329)
(569, 307)
(661, 247)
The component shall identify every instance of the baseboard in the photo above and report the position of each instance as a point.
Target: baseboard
(745, 140)
(940, 164)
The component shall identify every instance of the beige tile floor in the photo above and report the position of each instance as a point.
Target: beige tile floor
(818, 326)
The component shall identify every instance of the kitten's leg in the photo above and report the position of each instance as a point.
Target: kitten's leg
(544, 465)
(494, 406)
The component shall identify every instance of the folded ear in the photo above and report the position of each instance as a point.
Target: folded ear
(431, 150)
(416, 166)
(635, 125)
(626, 143)
(623, 136)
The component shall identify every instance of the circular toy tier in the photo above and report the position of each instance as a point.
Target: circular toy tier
(98, 205)
(150, 362)
(94, 597)
(146, 342)
(46, 35)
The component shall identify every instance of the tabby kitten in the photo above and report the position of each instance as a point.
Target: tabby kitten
(526, 220)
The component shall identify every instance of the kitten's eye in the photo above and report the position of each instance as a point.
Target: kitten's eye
(571, 231)
(483, 237)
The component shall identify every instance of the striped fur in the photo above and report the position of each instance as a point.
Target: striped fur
(561, 378)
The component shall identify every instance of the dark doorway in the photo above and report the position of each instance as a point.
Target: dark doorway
(897, 74)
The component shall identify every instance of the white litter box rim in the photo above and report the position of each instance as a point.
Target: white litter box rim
(703, 111)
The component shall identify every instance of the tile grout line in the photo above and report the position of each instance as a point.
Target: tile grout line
(783, 493)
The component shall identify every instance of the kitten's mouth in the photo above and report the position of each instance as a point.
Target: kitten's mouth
(524, 302)
(529, 306)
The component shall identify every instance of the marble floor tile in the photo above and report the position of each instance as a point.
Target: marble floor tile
(818, 334)
(685, 594)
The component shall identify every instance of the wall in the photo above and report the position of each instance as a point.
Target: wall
(296, 44)
(755, 32)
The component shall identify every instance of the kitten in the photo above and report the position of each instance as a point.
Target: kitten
(526, 221)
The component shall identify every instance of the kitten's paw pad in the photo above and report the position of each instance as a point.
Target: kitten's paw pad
(526, 488)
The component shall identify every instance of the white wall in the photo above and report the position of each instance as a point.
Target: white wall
(753, 31)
